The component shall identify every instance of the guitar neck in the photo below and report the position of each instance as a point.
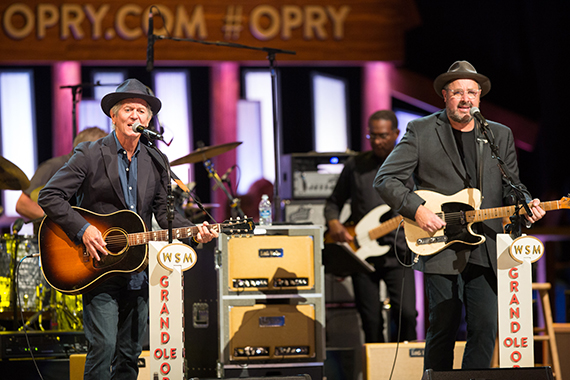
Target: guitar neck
(502, 212)
(386, 227)
(162, 235)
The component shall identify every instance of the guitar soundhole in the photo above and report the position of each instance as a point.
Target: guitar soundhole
(116, 240)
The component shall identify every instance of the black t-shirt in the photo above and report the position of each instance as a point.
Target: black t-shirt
(467, 146)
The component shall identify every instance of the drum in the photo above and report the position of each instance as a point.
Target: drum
(30, 281)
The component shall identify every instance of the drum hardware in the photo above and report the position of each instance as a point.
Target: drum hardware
(23, 288)
(204, 154)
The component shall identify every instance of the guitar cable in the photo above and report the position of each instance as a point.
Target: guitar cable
(401, 297)
(16, 276)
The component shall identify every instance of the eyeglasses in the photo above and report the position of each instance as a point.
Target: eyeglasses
(374, 136)
(458, 94)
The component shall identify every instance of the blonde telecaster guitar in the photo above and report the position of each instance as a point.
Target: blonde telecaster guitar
(459, 211)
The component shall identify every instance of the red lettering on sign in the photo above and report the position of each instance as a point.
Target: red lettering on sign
(513, 273)
(164, 295)
(514, 313)
(514, 300)
(515, 326)
(164, 281)
(514, 286)
(164, 309)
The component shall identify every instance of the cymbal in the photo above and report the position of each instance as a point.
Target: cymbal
(205, 153)
(12, 177)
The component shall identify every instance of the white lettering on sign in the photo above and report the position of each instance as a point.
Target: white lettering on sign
(81, 21)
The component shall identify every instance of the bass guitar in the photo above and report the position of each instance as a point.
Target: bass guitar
(459, 211)
(69, 268)
(368, 230)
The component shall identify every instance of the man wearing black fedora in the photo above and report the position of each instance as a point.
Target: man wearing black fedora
(445, 153)
(114, 173)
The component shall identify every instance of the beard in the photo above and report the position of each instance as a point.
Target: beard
(454, 115)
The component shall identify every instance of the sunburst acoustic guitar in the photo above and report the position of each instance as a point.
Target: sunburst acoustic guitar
(69, 269)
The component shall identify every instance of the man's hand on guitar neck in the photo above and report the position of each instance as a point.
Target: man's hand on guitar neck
(427, 220)
(338, 232)
(94, 242)
(205, 234)
(537, 211)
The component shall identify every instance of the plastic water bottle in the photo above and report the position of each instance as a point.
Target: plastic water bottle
(265, 218)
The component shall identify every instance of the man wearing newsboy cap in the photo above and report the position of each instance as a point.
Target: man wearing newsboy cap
(114, 173)
(445, 153)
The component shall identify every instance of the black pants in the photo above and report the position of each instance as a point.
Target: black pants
(368, 303)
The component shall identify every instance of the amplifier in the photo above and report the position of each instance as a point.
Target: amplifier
(281, 263)
(270, 332)
(310, 175)
(379, 358)
(53, 344)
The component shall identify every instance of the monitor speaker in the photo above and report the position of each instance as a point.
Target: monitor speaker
(534, 373)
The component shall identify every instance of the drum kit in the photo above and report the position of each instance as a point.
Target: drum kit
(22, 284)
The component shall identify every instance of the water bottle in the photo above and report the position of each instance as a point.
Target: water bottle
(265, 211)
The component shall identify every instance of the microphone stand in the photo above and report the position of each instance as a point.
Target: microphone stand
(514, 228)
(76, 89)
(271, 52)
(169, 193)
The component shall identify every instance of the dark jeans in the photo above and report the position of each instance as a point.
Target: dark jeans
(115, 324)
(368, 303)
(476, 289)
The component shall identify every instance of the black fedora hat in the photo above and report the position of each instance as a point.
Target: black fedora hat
(461, 70)
(131, 88)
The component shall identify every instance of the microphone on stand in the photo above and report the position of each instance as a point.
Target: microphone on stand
(150, 43)
(225, 176)
(474, 112)
(151, 135)
(17, 226)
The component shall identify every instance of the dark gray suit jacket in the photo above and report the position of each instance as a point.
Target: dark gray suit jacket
(92, 175)
(428, 152)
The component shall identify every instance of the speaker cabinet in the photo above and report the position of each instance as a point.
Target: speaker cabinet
(271, 298)
(283, 263)
(534, 373)
(379, 358)
(271, 332)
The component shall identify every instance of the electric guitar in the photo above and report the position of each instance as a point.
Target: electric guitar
(368, 230)
(69, 268)
(459, 211)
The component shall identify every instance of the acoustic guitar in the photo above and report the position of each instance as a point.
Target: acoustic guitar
(69, 268)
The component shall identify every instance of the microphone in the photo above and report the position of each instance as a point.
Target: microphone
(17, 226)
(474, 112)
(227, 173)
(150, 43)
(151, 135)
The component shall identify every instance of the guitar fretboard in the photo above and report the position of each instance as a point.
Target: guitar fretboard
(162, 235)
(384, 228)
(473, 216)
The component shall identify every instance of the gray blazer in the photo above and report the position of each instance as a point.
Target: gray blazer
(428, 152)
(92, 175)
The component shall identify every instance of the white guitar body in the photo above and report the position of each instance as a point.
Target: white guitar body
(368, 247)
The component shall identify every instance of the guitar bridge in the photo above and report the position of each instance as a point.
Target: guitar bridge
(432, 240)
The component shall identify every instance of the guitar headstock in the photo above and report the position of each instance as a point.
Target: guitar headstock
(238, 226)
(565, 202)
